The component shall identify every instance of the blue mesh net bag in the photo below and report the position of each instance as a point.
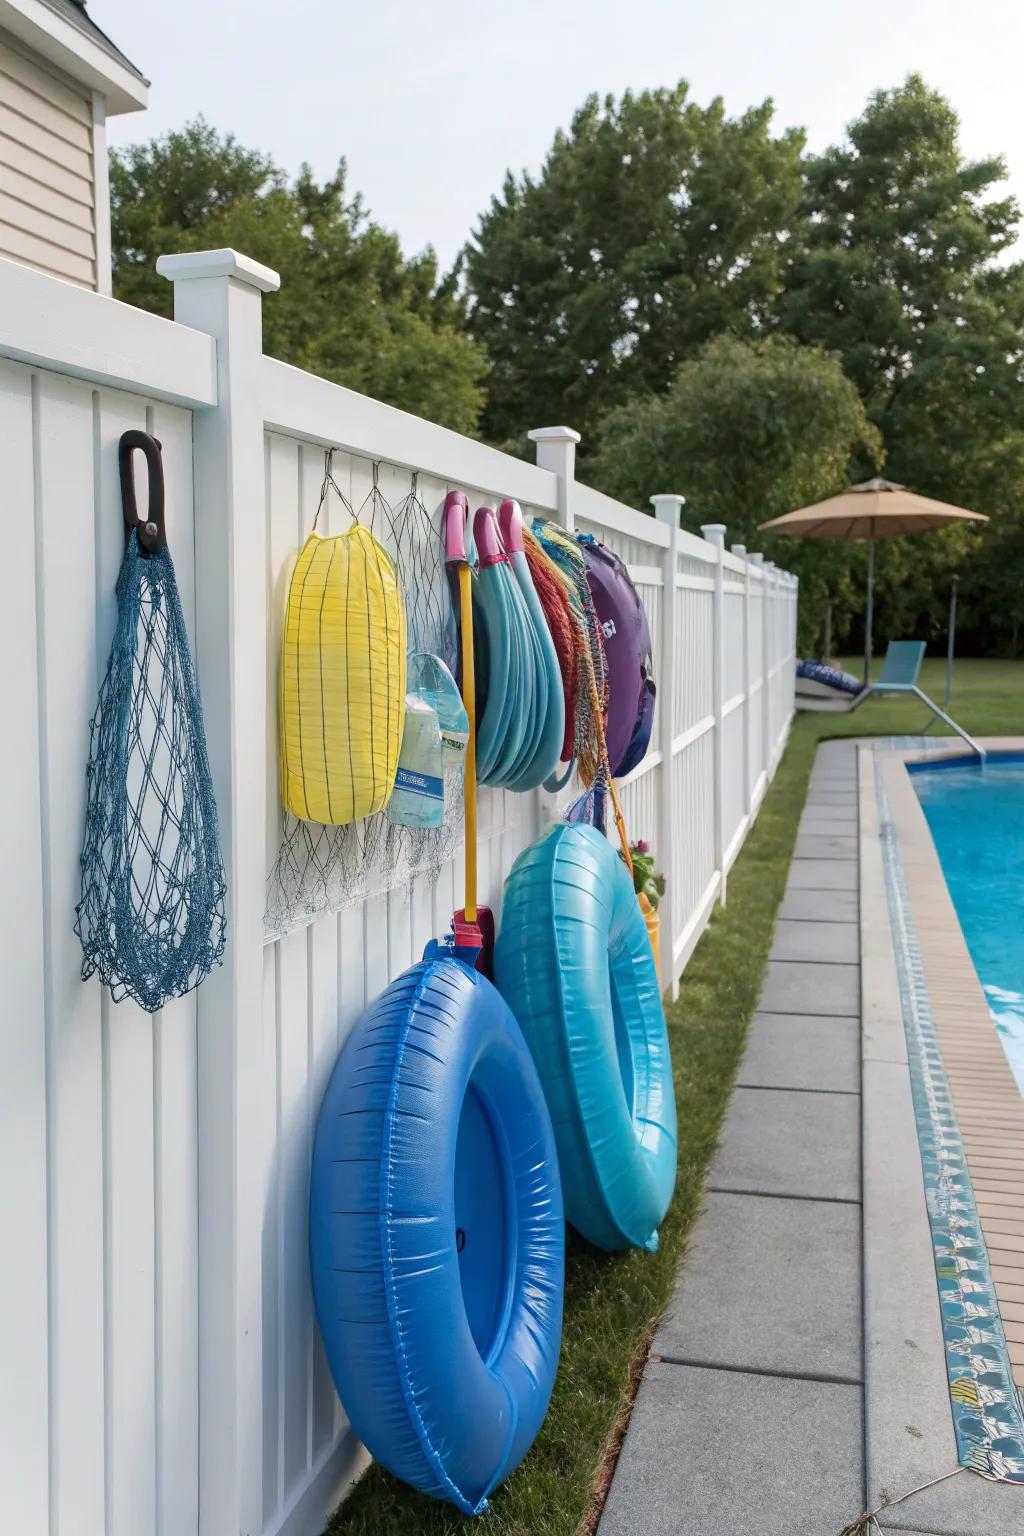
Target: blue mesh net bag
(151, 917)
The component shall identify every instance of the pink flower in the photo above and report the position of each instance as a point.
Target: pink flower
(642, 846)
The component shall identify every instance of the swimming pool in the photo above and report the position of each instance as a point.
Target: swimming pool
(976, 816)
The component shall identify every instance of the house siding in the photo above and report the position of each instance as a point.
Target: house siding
(47, 170)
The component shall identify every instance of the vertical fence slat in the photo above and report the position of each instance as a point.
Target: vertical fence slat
(667, 509)
(24, 1459)
(176, 1115)
(714, 533)
(67, 588)
(129, 1134)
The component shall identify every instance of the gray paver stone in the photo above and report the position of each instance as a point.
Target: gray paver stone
(803, 986)
(724, 1453)
(803, 1314)
(782, 1143)
(802, 1051)
(835, 942)
(819, 906)
(822, 875)
(829, 819)
(826, 845)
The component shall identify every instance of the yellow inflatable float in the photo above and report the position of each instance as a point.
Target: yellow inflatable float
(342, 684)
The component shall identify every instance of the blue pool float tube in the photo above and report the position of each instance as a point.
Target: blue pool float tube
(834, 677)
(574, 963)
(437, 1235)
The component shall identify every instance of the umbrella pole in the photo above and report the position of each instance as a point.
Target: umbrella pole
(869, 615)
(951, 643)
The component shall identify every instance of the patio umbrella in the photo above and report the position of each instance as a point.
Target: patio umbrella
(875, 509)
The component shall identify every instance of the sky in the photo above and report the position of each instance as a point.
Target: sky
(431, 103)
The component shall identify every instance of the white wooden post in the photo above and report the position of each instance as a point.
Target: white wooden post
(762, 643)
(740, 551)
(667, 509)
(556, 450)
(715, 535)
(220, 292)
(770, 597)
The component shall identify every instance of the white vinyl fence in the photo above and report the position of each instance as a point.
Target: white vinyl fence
(162, 1372)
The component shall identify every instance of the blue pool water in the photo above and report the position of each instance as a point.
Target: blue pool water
(976, 816)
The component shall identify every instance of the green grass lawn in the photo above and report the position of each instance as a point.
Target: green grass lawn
(613, 1301)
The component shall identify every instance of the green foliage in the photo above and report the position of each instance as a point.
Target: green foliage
(656, 226)
(653, 225)
(895, 271)
(351, 307)
(751, 429)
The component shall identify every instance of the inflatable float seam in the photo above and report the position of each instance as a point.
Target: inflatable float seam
(391, 1114)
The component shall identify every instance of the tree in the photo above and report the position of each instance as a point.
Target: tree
(896, 271)
(748, 430)
(351, 307)
(654, 225)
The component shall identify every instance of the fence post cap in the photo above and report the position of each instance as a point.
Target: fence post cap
(553, 435)
(757, 559)
(188, 265)
(714, 533)
(740, 551)
(667, 507)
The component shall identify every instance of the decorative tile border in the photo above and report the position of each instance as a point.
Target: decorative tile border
(988, 1412)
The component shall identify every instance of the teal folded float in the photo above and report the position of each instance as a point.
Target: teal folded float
(437, 1233)
(574, 962)
(521, 705)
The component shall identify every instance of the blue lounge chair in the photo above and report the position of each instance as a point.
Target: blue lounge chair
(900, 671)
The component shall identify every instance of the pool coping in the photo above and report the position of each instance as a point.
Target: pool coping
(909, 1430)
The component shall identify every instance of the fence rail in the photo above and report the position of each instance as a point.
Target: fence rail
(163, 1372)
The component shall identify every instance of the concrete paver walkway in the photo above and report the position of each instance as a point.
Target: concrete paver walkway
(749, 1417)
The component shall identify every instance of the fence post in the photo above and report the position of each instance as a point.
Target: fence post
(771, 597)
(740, 551)
(757, 561)
(667, 509)
(220, 292)
(715, 535)
(556, 450)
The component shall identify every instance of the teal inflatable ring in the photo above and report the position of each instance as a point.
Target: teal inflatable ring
(574, 963)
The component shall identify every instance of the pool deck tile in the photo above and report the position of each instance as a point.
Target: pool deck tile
(985, 1096)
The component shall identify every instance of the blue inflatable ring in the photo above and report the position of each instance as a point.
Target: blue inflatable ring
(574, 962)
(437, 1234)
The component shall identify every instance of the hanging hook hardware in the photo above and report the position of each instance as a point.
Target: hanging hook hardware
(151, 534)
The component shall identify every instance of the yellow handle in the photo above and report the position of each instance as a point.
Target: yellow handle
(469, 699)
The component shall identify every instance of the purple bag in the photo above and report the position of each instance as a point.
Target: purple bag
(627, 644)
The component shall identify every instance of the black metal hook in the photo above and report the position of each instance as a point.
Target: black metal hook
(152, 535)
